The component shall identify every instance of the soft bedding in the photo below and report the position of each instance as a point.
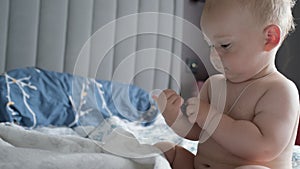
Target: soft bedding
(117, 143)
(66, 148)
(21, 148)
(33, 97)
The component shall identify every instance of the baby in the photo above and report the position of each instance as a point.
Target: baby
(256, 128)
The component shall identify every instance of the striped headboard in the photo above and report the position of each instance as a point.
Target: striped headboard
(61, 35)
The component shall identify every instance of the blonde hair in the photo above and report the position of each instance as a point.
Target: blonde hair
(268, 12)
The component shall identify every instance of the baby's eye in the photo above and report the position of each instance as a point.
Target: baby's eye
(226, 46)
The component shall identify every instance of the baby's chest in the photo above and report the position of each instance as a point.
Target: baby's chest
(242, 106)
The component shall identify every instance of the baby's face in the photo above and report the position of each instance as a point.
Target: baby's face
(237, 43)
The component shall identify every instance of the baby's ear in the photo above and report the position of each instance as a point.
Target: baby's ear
(272, 37)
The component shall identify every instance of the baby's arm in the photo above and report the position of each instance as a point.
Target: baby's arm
(271, 130)
(169, 103)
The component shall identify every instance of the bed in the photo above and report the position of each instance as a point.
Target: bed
(44, 46)
(86, 126)
(52, 119)
(57, 120)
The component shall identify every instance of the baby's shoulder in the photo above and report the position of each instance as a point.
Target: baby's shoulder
(279, 86)
(279, 82)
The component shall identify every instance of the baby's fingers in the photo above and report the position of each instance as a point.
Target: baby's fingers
(193, 101)
(161, 100)
(166, 98)
(191, 109)
(193, 118)
(192, 112)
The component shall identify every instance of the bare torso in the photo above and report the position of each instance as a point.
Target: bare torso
(211, 155)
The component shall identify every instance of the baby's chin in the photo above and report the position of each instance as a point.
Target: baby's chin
(233, 78)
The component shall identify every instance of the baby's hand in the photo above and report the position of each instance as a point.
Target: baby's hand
(169, 103)
(192, 109)
(197, 110)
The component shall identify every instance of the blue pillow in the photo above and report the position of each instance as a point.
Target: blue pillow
(35, 97)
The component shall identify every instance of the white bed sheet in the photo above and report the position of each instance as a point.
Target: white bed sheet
(30, 149)
(115, 144)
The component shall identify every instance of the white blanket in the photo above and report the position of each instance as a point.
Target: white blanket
(29, 149)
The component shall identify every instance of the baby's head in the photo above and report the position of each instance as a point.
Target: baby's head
(265, 12)
(268, 12)
(245, 35)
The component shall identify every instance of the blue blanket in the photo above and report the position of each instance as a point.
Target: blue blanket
(35, 97)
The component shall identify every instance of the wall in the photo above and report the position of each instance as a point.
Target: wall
(54, 34)
(288, 60)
